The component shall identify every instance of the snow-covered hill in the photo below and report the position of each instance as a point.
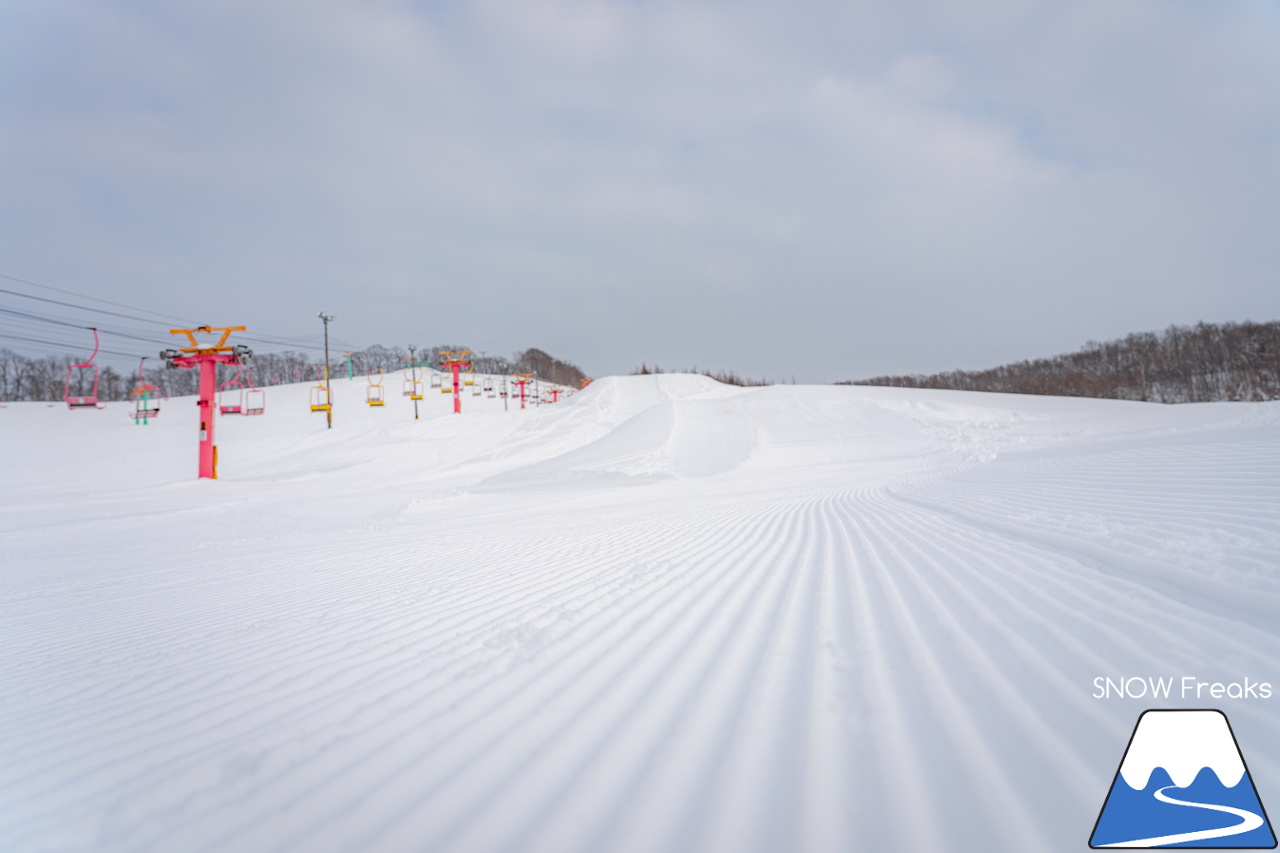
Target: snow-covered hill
(662, 615)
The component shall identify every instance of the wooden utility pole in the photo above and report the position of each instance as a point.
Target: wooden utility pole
(329, 411)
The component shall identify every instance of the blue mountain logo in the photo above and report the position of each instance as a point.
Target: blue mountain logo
(1183, 783)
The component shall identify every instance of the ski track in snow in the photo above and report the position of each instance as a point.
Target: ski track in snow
(664, 615)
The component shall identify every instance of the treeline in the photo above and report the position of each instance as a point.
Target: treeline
(728, 377)
(1203, 363)
(546, 367)
(25, 378)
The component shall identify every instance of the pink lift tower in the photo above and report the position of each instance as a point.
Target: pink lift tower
(457, 360)
(207, 358)
(523, 380)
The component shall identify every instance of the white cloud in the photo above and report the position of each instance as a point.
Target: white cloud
(561, 29)
(922, 142)
(914, 170)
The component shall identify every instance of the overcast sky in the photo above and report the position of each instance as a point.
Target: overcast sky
(821, 188)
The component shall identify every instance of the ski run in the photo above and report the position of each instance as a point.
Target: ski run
(663, 614)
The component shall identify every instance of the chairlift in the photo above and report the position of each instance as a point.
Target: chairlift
(469, 378)
(146, 403)
(412, 384)
(90, 400)
(437, 379)
(255, 399)
(231, 395)
(503, 391)
(146, 398)
(320, 401)
(374, 395)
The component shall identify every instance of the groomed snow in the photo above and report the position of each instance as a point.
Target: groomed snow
(662, 615)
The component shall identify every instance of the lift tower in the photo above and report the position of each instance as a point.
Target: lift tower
(523, 380)
(457, 360)
(207, 358)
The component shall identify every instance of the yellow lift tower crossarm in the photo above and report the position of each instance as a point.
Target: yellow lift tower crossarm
(220, 346)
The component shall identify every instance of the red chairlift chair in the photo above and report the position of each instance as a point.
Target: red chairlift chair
(84, 401)
(255, 399)
(231, 402)
(146, 398)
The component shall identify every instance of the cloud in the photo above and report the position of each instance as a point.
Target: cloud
(872, 187)
(924, 143)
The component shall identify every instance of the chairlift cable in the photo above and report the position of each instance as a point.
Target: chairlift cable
(6, 336)
(168, 317)
(80, 307)
(280, 341)
(105, 331)
(276, 342)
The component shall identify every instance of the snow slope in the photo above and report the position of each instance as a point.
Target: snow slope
(662, 615)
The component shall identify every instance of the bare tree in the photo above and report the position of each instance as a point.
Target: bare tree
(23, 378)
(1183, 364)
